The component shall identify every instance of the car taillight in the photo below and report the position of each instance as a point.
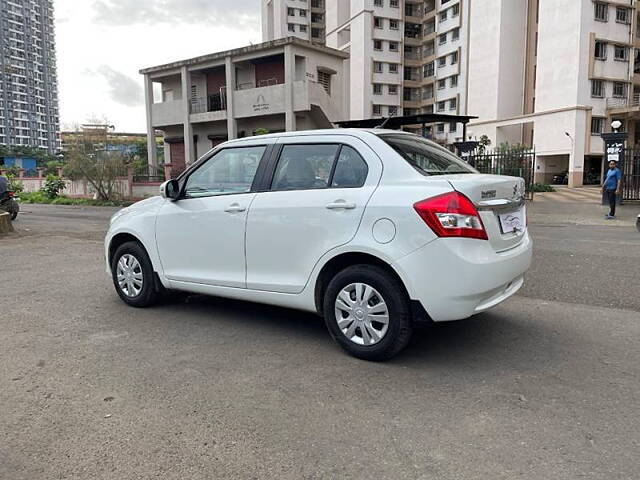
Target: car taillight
(12, 194)
(451, 215)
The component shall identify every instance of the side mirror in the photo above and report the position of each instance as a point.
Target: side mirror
(170, 189)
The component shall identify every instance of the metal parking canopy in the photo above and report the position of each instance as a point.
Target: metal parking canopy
(395, 123)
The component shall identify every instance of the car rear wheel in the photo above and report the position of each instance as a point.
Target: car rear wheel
(367, 312)
(133, 275)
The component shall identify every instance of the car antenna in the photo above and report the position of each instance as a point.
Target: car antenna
(383, 124)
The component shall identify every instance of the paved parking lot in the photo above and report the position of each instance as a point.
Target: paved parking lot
(545, 386)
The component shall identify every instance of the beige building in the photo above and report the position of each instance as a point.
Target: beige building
(554, 74)
(407, 56)
(287, 84)
(303, 19)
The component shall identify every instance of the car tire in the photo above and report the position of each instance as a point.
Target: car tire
(139, 288)
(384, 291)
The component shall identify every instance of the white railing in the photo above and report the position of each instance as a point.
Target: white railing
(634, 101)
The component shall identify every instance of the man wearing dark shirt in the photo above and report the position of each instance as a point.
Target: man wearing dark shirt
(611, 188)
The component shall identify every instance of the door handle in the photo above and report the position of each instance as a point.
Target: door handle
(235, 208)
(341, 205)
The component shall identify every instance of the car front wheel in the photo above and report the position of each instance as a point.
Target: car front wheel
(367, 312)
(133, 275)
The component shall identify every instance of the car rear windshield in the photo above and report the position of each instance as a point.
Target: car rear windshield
(426, 157)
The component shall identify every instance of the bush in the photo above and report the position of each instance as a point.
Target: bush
(541, 187)
(53, 186)
(14, 184)
(41, 197)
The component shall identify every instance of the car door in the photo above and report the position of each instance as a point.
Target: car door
(200, 237)
(319, 189)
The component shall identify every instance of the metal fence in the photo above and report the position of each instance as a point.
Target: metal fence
(513, 162)
(148, 174)
(630, 167)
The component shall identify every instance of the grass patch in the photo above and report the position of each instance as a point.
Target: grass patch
(40, 197)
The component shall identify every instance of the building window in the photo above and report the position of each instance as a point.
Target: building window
(441, 106)
(303, 28)
(455, 35)
(303, 13)
(620, 52)
(291, 27)
(601, 11)
(378, 3)
(394, 3)
(619, 90)
(454, 81)
(442, 62)
(454, 58)
(443, 15)
(442, 84)
(440, 128)
(453, 104)
(377, 67)
(324, 79)
(442, 39)
(377, 110)
(393, 46)
(377, 45)
(377, 22)
(315, 32)
(601, 51)
(393, 89)
(393, 68)
(291, 12)
(377, 89)
(622, 15)
(393, 110)
(393, 24)
(597, 88)
(597, 125)
(453, 127)
(428, 70)
(455, 10)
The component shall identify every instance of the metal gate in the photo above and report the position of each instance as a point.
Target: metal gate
(514, 162)
(630, 168)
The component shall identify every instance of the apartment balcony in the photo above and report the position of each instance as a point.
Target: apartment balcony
(623, 105)
(167, 113)
(209, 108)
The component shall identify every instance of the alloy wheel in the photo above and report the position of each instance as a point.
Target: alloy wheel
(362, 314)
(129, 275)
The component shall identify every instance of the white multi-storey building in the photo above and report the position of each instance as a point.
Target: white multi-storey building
(28, 85)
(553, 74)
(406, 56)
(304, 19)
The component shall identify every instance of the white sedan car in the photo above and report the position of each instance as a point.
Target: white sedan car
(375, 230)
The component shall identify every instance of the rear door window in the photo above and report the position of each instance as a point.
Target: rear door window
(351, 169)
(304, 167)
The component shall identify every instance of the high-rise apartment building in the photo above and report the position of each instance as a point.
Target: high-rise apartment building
(406, 56)
(553, 75)
(304, 19)
(28, 84)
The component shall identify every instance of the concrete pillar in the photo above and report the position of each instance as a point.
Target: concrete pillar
(152, 152)
(289, 77)
(578, 149)
(232, 124)
(189, 150)
(40, 172)
(130, 181)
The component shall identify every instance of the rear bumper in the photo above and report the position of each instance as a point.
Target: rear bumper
(456, 278)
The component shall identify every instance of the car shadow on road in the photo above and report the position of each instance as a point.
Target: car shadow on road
(493, 339)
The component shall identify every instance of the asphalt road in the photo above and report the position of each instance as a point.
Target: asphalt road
(544, 386)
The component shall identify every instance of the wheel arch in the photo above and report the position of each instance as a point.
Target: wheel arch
(120, 239)
(345, 260)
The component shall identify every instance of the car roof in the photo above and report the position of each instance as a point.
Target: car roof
(356, 132)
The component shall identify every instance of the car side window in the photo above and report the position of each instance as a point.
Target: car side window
(304, 167)
(351, 169)
(229, 171)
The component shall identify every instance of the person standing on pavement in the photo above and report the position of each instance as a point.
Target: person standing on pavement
(611, 188)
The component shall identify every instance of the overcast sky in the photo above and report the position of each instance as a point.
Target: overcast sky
(102, 44)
